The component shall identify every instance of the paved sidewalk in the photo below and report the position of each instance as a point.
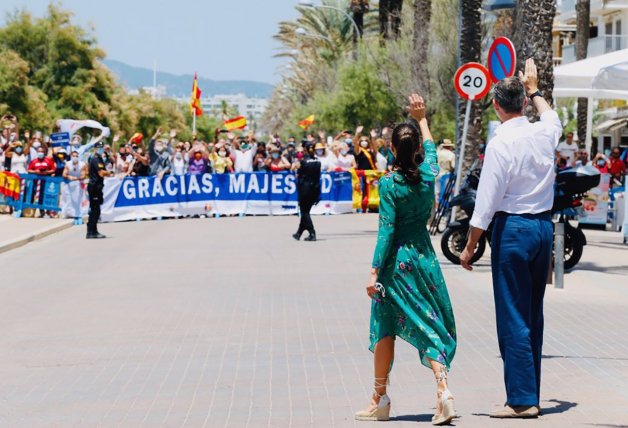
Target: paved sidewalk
(16, 232)
(231, 323)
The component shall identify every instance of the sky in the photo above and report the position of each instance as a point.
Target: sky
(220, 39)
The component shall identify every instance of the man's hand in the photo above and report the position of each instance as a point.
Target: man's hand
(465, 258)
(416, 107)
(530, 78)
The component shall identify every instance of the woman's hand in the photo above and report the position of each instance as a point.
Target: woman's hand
(416, 107)
(371, 288)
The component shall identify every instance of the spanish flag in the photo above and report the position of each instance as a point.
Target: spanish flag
(235, 123)
(307, 122)
(195, 103)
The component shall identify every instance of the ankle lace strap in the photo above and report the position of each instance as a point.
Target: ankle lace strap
(441, 375)
(380, 382)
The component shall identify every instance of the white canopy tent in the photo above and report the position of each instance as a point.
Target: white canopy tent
(600, 77)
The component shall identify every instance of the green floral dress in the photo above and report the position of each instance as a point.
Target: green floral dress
(414, 303)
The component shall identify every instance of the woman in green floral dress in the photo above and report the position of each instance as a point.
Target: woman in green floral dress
(410, 298)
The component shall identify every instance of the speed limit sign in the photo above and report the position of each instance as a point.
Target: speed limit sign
(472, 81)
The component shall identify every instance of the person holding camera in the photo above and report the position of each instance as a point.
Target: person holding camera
(97, 172)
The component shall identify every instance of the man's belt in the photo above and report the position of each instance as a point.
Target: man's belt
(505, 214)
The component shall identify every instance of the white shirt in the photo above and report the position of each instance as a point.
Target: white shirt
(446, 161)
(345, 162)
(381, 162)
(568, 151)
(518, 172)
(244, 159)
(328, 162)
(18, 163)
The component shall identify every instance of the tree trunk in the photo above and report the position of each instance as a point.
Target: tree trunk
(390, 18)
(421, 44)
(533, 39)
(583, 18)
(470, 51)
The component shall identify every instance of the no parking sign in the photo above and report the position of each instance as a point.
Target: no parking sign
(502, 59)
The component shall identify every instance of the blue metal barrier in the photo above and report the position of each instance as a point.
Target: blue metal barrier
(38, 192)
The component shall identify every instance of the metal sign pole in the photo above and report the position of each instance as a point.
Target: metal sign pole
(460, 161)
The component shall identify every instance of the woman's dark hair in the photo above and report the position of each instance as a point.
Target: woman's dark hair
(406, 140)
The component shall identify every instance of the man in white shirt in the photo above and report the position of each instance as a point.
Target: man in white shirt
(517, 189)
(568, 149)
(244, 154)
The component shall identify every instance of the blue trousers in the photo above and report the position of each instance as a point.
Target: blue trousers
(520, 260)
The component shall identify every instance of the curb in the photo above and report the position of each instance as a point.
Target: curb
(20, 242)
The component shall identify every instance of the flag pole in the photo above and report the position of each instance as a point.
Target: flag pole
(193, 121)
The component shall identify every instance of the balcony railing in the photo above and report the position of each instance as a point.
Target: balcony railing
(597, 46)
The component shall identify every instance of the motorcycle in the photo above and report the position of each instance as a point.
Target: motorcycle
(570, 187)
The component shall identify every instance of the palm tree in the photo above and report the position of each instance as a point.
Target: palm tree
(583, 17)
(533, 39)
(470, 51)
(390, 18)
(421, 44)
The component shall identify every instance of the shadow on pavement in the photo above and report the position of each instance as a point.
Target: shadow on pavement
(560, 407)
(583, 357)
(588, 266)
(413, 418)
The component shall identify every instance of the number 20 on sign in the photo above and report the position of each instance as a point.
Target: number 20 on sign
(472, 81)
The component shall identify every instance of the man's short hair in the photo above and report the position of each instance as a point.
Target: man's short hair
(510, 94)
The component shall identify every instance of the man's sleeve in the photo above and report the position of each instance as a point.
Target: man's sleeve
(493, 183)
(555, 127)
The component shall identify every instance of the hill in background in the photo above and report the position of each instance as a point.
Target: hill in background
(181, 85)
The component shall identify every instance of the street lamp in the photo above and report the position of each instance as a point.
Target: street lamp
(324, 6)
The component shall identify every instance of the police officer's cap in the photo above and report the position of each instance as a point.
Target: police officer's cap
(99, 144)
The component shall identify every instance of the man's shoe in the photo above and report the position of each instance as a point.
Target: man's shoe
(95, 236)
(296, 236)
(311, 238)
(508, 412)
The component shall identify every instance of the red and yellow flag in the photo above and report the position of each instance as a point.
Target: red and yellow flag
(235, 123)
(307, 122)
(195, 104)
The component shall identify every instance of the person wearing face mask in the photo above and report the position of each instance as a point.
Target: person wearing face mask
(199, 163)
(160, 153)
(97, 172)
(291, 151)
(276, 162)
(140, 163)
(244, 154)
(321, 155)
(346, 160)
(17, 158)
(179, 165)
(42, 166)
(34, 145)
(60, 161)
(75, 172)
(364, 156)
(220, 159)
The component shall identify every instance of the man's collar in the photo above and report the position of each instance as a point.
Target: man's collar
(515, 122)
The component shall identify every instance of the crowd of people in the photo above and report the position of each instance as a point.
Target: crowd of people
(227, 152)
(570, 155)
(164, 153)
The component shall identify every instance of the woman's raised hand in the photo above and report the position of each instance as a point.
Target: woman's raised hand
(416, 107)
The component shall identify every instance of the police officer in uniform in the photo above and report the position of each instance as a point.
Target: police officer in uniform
(309, 189)
(97, 172)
